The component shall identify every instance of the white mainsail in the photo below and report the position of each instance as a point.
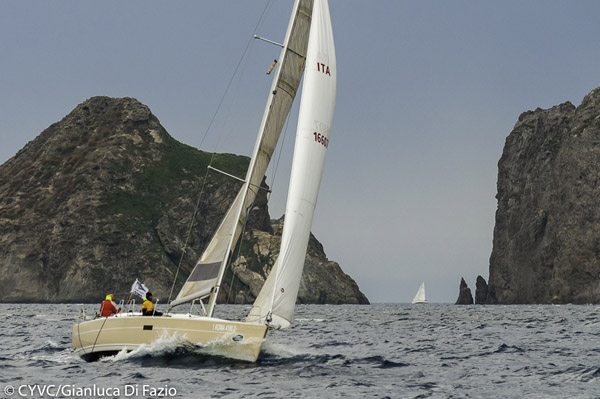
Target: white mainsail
(276, 301)
(420, 296)
(208, 272)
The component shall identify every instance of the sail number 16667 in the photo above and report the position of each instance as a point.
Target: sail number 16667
(321, 139)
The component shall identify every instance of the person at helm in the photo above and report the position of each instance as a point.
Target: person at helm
(108, 307)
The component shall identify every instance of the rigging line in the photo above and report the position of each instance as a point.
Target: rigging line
(189, 233)
(275, 165)
(275, 168)
(97, 336)
(239, 246)
(242, 61)
(240, 66)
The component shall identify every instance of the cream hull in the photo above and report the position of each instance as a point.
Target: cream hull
(216, 337)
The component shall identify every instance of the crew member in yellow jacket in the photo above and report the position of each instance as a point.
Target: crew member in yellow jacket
(148, 306)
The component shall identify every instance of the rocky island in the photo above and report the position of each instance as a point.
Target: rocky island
(546, 245)
(106, 196)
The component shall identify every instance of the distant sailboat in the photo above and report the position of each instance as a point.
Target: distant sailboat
(420, 296)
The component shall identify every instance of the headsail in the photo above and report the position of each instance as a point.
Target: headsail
(206, 276)
(277, 299)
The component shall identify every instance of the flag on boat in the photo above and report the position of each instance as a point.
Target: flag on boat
(139, 289)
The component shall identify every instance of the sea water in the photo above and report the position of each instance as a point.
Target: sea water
(331, 351)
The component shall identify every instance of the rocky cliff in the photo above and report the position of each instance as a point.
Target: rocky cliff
(106, 196)
(546, 246)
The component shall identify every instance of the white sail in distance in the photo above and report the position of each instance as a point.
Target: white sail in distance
(276, 301)
(420, 295)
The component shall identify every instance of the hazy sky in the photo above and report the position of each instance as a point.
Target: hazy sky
(427, 93)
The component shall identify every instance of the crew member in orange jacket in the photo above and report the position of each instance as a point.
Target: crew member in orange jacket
(108, 307)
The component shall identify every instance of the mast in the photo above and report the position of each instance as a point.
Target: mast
(208, 273)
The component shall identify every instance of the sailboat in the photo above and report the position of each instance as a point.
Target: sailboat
(420, 296)
(307, 53)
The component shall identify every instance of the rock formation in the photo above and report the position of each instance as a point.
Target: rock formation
(464, 296)
(106, 196)
(481, 291)
(546, 246)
